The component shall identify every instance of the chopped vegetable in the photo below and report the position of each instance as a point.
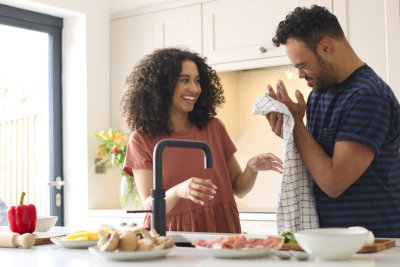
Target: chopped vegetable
(288, 237)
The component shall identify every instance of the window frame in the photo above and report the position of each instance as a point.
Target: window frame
(52, 25)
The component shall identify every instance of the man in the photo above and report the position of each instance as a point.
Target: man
(351, 142)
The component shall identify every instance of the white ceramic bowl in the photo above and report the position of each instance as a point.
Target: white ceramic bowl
(331, 243)
(44, 223)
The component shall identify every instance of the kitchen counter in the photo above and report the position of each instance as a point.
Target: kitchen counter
(252, 222)
(53, 255)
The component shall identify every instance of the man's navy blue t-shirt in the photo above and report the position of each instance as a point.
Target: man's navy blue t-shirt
(361, 109)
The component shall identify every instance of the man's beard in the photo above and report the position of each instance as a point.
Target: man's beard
(324, 79)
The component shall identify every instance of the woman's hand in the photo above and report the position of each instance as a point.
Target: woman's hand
(196, 189)
(265, 162)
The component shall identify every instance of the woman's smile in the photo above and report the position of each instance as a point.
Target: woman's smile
(189, 99)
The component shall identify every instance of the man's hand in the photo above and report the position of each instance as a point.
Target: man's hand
(275, 119)
(297, 109)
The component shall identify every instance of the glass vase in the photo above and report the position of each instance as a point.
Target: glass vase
(129, 196)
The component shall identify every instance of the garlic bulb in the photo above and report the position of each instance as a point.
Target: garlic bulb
(370, 239)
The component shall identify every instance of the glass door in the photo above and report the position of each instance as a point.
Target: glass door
(30, 110)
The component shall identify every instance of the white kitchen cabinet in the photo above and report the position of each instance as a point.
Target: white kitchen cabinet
(114, 217)
(131, 38)
(262, 223)
(379, 46)
(237, 34)
(179, 27)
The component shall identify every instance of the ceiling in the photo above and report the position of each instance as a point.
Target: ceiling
(122, 5)
(115, 5)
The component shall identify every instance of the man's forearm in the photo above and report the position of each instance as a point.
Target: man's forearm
(317, 162)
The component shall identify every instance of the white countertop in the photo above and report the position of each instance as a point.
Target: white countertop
(53, 255)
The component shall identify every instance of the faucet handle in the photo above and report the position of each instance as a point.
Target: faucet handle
(139, 211)
(158, 193)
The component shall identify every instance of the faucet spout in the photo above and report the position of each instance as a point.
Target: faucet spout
(158, 193)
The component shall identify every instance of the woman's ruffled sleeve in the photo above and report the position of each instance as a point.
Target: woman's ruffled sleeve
(138, 154)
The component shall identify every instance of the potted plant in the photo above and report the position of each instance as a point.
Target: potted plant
(111, 151)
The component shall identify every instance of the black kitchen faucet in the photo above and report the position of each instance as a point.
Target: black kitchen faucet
(158, 221)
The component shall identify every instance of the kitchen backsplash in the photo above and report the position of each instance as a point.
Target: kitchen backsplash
(252, 134)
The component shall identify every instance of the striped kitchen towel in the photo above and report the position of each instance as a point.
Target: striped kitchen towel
(296, 203)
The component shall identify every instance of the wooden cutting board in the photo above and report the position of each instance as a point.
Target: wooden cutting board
(43, 238)
(379, 245)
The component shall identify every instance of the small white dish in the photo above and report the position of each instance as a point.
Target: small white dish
(236, 253)
(282, 254)
(131, 255)
(45, 223)
(300, 255)
(73, 243)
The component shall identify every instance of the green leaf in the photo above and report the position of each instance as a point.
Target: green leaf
(111, 133)
(288, 237)
(97, 136)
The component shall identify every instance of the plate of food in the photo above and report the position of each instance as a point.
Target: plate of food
(131, 255)
(77, 239)
(238, 246)
(236, 253)
(137, 244)
(61, 241)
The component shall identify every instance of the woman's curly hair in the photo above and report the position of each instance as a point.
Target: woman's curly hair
(309, 25)
(146, 102)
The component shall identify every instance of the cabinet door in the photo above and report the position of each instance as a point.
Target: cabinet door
(179, 27)
(130, 40)
(237, 30)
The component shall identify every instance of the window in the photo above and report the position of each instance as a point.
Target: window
(31, 109)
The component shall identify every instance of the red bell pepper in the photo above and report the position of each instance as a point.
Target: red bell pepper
(22, 218)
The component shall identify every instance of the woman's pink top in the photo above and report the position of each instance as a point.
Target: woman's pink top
(218, 215)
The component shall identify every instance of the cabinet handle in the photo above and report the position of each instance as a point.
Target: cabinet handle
(263, 49)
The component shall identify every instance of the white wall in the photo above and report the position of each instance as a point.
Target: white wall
(374, 33)
(251, 134)
(86, 105)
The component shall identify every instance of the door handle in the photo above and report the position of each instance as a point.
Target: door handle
(263, 49)
(58, 183)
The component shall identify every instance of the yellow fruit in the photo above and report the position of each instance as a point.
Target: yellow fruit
(93, 236)
(82, 238)
(81, 235)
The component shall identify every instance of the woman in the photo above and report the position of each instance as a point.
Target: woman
(173, 93)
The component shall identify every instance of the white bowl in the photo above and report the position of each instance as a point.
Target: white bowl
(44, 223)
(331, 243)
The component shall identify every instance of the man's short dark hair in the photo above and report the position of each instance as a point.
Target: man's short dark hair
(309, 25)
